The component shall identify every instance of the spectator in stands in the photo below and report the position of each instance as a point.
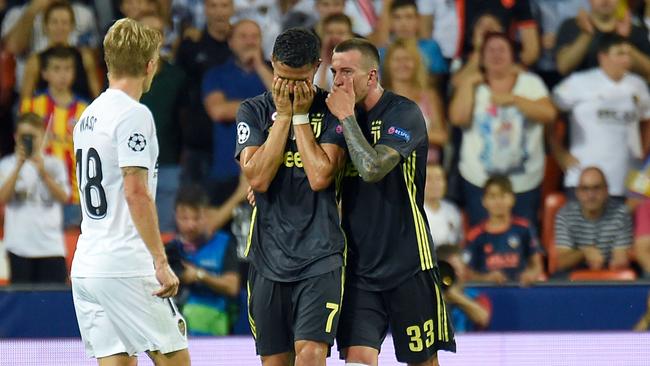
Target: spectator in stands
(594, 232)
(34, 185)
(325, 9)
(188, 18)
(22, 31)
(549, 15)
(470, 309)
(195, 58)
(60, 108)
(164, 99)
(439, 21)
(502, 112)
(579, 38)
(207, 265)
(404, 73)
(443, 216)
(368, 16)
(486, 23)
(336, 28)
(504, 247)
(403, 25)
(58, 20)
(244, 75)
(606, 105)
(514, 15)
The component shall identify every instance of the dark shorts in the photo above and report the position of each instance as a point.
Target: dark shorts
(414, 310)
(281, 313)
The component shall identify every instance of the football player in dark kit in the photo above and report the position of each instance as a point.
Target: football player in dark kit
(291, 149)
(392, 277)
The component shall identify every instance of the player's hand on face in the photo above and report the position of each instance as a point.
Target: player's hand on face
(341, 99)
(303, 96)
(281, 97)
(168, 281)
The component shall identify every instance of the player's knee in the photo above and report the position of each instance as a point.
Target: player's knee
(308, 352)
(361, 356)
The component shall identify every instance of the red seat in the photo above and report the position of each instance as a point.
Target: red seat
(7, 77)
(603, 275)
(70, 237)
(552, 204)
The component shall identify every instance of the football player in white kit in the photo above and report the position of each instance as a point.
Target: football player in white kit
(121, 281)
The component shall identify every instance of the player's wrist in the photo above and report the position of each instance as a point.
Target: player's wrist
(300, 119)
(160, 261)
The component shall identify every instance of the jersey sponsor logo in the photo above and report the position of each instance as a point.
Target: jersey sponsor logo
(399, 132)
(375, 130)
(496, 262)
(243, 132)
(137, 142)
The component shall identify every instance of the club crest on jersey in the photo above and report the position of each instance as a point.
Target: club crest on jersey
(182, 327)
(137, 142)
(513, 241)
(316, 122)
(375, 130)
(399, 132)
(243, 132)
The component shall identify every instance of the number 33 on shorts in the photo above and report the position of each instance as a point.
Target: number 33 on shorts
(421, 336)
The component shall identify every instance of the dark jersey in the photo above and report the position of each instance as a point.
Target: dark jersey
(295, 232)
(507, 251)
(388, 235)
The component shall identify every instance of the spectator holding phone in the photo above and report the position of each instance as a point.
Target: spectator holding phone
(34, 186)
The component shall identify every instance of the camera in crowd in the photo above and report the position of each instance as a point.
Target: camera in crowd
(27, 140)
(447, 274)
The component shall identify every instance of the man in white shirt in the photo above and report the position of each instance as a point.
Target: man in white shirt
(34, 187)
(121, 280)
(605, 105)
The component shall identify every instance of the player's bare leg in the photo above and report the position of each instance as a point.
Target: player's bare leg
(361, 355)
(280, 359)
(433, 361)
(310, 353)
(178, 358)
(120, 359)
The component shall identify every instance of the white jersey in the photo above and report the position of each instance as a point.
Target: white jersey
(115, 131)
(604, 127)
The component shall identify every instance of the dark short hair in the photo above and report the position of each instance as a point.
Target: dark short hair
(501, 181)
(192, 195)
(403, 4)
(59, 53)
(337, 18)
(56, 5)
(608, 40)
(297, 47)
(31, 119)
(368, 51)
(446, 251)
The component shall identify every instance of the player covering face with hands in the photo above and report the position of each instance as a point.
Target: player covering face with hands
(391, 273)
(291, 150)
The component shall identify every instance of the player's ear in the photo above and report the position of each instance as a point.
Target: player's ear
(373, 77)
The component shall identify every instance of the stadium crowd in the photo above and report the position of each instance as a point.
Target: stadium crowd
(536, 111)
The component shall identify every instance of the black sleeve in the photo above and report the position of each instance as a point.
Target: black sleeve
(403, 128)
(230, 260)
(567, 34)
(249, 132)
(639, 39)
(332, 132)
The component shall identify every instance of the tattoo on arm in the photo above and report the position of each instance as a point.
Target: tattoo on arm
(372, 163)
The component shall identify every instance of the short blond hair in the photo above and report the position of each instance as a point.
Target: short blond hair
(129, 46)
(420, 77)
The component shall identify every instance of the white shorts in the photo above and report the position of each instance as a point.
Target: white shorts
(120, 315)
